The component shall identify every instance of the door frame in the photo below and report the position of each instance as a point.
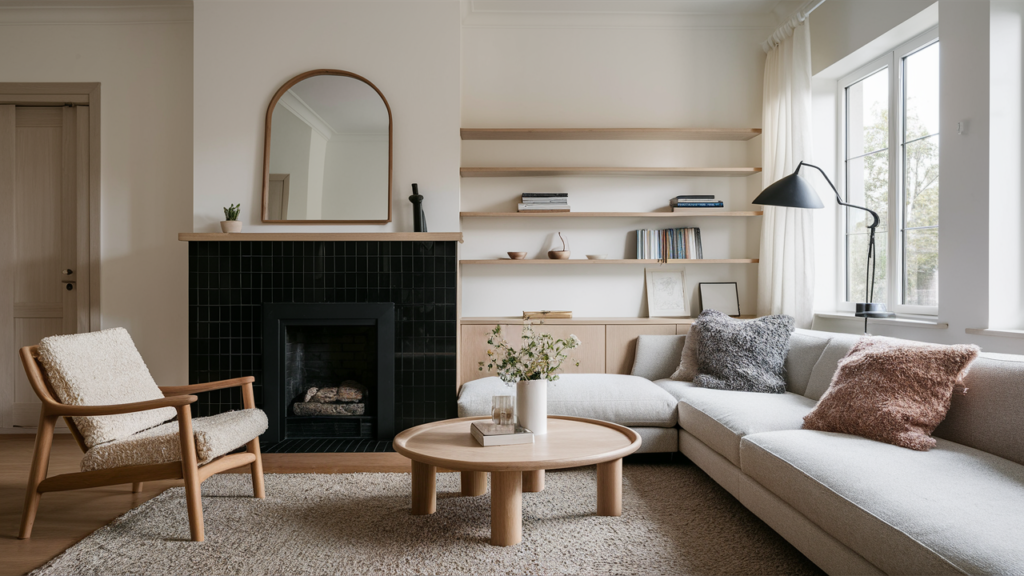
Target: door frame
(80, 94)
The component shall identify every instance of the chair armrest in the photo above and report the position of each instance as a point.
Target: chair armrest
(55, 409)
(170, 391)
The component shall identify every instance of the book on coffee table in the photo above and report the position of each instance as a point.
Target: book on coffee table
(491, 434)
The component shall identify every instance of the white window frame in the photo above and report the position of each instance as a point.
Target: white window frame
(893, 60)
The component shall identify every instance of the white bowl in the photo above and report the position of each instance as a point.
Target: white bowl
(596, 256)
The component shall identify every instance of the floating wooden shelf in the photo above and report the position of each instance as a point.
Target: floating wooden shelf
(506, 261)
(493, 172)
(618, 320)
(687, 213)
(326, 236)
(610, 133)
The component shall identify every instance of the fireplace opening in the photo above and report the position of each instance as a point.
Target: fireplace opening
(330, 381)
(329, 371)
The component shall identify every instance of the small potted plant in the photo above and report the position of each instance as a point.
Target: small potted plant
(562, 254)
(230, 222)
(530, 367)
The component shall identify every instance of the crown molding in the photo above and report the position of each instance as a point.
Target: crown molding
(57, 12)
(686, 14)
(297, 106)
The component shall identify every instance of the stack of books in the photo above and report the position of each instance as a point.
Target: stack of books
(544, 202)
(687, 202)
(671, 244)
(487, 433)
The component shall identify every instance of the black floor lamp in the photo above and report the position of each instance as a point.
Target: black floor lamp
(794, 192)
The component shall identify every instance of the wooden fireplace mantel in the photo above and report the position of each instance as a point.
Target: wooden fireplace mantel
(321, 236)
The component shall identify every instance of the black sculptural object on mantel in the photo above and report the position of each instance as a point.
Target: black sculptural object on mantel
(419, 220)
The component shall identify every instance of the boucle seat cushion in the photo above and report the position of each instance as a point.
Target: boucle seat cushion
(101, 368)
(618, 398)
(721, 418)
(215, 436)
(952, 509)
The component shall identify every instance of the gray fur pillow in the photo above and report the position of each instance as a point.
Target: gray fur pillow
(747, 355)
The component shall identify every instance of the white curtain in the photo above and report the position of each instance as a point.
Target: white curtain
(785, 281)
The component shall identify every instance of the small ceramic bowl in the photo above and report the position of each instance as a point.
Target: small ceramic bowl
(596, 256)
(517, 255)
(558, 254)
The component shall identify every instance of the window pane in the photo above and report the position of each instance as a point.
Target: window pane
(867, 116)
(867, 184)
(921, 267)
(921, 183)
(856, 269)
(921, 73)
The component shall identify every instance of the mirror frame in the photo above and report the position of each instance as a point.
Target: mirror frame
(266, 147)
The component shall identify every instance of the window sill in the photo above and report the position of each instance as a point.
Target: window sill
(905, 321)
(999, 333)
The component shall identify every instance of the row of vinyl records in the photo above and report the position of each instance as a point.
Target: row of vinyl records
(673, 243)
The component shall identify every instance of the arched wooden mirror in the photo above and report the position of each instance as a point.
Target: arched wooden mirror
(327, 152)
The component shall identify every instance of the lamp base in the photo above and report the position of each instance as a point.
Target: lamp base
(872, 310)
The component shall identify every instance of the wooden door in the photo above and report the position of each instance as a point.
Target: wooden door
(43, 289)
(277, 197)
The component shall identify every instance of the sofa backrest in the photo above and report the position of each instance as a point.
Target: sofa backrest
(657, 356)
(990, 416)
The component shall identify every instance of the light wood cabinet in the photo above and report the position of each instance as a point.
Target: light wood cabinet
(609, 344)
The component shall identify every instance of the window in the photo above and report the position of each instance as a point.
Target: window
(889, 147)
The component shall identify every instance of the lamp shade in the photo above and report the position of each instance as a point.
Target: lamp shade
(791, 191)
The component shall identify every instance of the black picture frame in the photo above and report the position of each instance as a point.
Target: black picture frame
(719, 297)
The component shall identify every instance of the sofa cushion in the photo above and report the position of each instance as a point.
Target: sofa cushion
(674, 387)
(746, 355)
(657, 355)
(953, 509)
(215, 436)
(687, 369)
(805, 348)
(989, 417)
(839, 345)
(721, 418)
(101, 368)
(619, 398)
(892, 390)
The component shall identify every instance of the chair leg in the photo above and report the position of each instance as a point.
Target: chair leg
(190, 471)
(40, 463)
(136, 487)
(253, 447)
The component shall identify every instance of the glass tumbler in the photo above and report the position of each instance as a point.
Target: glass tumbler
(501, 410)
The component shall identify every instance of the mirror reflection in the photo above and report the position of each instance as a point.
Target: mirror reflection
(329, 152)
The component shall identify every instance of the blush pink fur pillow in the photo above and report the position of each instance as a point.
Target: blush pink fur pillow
(893, 391)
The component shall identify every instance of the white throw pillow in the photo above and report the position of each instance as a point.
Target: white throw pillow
(101, 368)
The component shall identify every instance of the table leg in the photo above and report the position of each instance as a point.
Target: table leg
(533, 480)
(506, 508)
(424, 488)
(474, 483)
(609, 488)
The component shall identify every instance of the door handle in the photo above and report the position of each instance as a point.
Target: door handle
(67, 272)
(69, 285)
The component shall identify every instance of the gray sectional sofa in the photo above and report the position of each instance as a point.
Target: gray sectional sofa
(851, 505)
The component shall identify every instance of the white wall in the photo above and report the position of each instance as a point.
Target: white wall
(841, 27)
(542, 70)
(244, 51)
(357, 164)
(290, 155)
(143, 59)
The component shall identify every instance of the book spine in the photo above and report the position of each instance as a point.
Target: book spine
(718, 204)
(545, 194)
(696, 197)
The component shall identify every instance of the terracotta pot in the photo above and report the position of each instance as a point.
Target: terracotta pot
(230, 225)
(558, 254)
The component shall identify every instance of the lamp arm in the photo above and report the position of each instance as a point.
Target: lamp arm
(839, 198)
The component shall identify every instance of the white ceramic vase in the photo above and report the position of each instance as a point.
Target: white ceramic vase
(532, 405)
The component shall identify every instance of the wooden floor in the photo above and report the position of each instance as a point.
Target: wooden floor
(66, 517)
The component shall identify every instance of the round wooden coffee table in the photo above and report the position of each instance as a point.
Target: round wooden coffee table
(570, 442)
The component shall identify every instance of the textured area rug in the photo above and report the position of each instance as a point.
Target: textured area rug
(675, 520)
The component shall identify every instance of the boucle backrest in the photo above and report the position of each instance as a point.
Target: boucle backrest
(100, 368)
(805, 348)
(839, 345)
(990, 416)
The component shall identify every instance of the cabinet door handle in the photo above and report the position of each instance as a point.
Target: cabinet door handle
(69, 285)
(67, 272)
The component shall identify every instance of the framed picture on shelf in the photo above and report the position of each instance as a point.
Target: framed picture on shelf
(666, 294)
(721, 296)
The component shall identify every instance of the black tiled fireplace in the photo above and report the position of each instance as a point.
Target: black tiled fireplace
(230, 281)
